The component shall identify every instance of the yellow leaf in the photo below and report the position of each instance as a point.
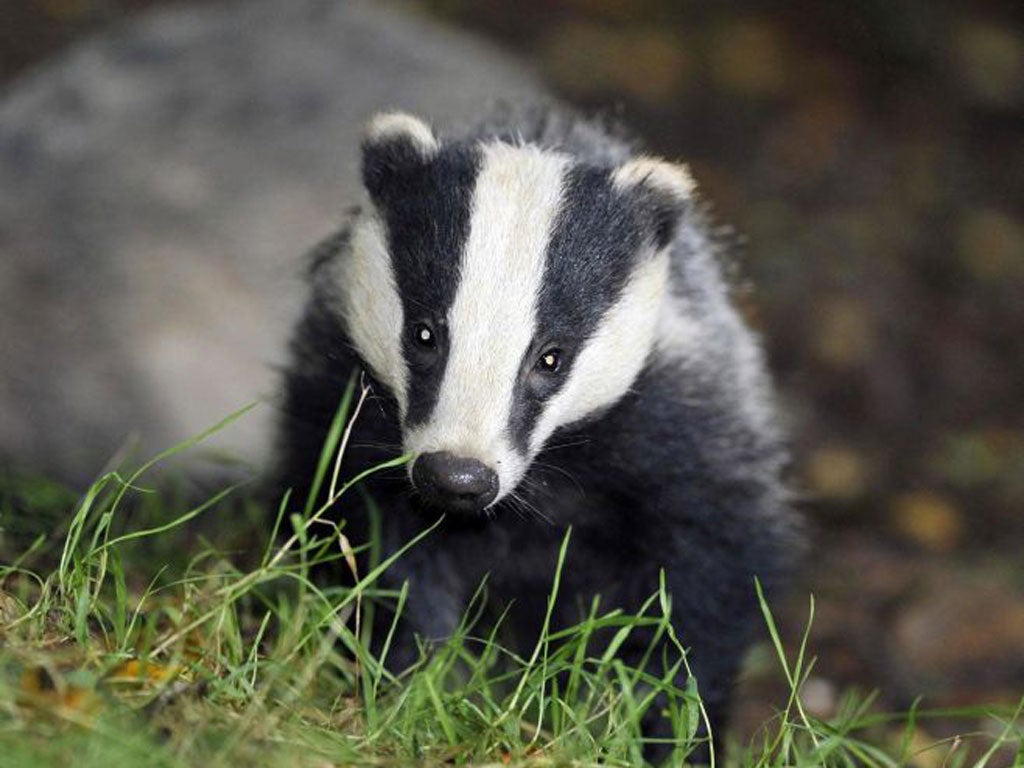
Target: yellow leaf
(135, 671)
(836, 472)
(929, 519)
(43, 691)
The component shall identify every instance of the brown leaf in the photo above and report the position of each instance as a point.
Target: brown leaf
(43, 690)
(748, 58)
(929, 519)
(844, 336)
(136, 671)
(991, 62)
(990, 244)
(648, 64)
(11, 609)
(836, 472)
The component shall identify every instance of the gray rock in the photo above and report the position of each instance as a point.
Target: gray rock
(159, 185)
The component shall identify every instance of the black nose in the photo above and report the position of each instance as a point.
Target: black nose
(455, 483)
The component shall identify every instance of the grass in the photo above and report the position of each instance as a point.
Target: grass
(132, 635)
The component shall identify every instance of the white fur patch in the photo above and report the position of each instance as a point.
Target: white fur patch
(615, 354)
(373, 308)
(669, 178)
(679, 334)
(392, 125)
(517, 197)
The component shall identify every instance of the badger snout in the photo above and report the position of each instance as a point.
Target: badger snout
(453, 482)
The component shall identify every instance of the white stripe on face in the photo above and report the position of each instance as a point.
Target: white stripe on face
(614, 355)
(373, 308)
(516, 200)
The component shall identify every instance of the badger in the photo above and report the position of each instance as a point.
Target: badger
(541, 313)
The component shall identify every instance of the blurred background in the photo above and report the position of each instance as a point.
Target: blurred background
(867, 160)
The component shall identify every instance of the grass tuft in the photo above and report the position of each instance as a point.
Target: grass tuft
(138, 631)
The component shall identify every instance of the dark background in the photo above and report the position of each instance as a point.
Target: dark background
(868, 159)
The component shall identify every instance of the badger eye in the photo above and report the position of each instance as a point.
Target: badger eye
(550, 361)
(424, 336)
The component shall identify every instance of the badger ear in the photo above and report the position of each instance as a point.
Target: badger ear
(394, 143)
(664, 190)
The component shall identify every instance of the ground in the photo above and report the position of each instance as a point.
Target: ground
(870, 158)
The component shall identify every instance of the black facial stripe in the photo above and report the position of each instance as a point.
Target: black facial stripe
(426, 212)
(592, 252)
(527, 403)
(595, 240)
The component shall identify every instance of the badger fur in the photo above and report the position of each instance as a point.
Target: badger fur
(548, 334)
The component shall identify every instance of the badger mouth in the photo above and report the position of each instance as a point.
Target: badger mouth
(454, 483)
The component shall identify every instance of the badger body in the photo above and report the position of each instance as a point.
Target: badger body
(542, 319)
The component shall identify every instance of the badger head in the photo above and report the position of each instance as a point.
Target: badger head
(501, 291)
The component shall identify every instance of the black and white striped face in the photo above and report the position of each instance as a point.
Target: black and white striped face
(501, 292)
